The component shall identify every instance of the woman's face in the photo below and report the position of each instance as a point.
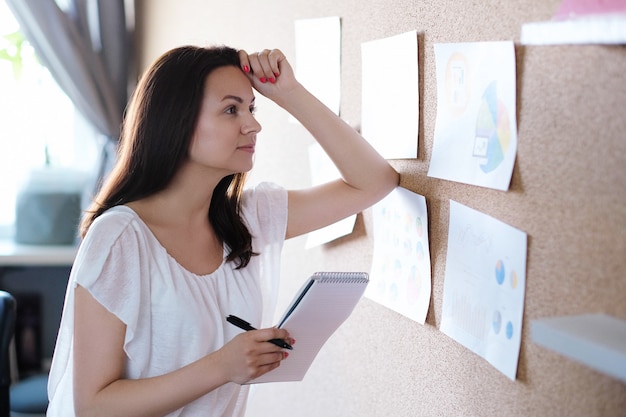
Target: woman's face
(225, 135)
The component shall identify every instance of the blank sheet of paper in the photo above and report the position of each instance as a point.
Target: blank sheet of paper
(390, 95)
(318, 58)
(483, 292)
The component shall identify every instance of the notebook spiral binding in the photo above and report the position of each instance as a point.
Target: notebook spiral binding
(345, 277)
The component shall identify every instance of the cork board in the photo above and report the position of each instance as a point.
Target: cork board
(567, 193)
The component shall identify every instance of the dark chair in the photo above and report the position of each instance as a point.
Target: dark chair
(8, 311)
(27, 397)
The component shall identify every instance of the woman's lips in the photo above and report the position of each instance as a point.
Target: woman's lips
(247, 148)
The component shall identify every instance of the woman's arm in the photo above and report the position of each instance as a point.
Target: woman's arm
(99, 360)
(366, 177)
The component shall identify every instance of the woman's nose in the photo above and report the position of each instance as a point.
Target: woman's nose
(251, 125)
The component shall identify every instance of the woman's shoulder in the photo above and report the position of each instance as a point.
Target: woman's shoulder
(117, 215)
(264, 209)
(264, 193)
(114, 240)
(117, 224)
(114, 219)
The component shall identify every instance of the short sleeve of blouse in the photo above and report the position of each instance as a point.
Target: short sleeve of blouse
(264, 208)
(113, 266)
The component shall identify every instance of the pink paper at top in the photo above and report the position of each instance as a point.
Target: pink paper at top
(577, 8)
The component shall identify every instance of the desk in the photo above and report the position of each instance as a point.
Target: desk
(15, 254)
(50, 284)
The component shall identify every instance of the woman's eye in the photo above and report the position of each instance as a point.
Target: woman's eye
(252, 109)
(231, 110)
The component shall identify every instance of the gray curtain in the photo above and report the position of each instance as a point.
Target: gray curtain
(87, 47)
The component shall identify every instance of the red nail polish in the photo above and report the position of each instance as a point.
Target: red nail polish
(263, 79)
(246, 68)
(276, 74)
(272, 80)
(286, 355)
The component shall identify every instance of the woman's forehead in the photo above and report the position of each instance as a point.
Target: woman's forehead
(231, 81)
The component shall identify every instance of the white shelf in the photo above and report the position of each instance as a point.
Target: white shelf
(596, 340)
(592, 29)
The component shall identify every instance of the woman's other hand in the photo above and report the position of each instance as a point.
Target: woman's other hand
(250, 355)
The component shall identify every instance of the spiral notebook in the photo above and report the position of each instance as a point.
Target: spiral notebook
(323, 303)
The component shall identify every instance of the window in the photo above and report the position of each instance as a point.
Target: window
(39, 125)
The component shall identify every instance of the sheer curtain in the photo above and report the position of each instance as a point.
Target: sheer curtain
(87, 47)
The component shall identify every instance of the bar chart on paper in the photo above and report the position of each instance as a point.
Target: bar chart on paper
(483, 298)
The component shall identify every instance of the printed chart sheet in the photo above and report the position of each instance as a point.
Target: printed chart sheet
(483, 299)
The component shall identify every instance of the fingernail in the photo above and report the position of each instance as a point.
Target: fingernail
(246, 68)
(263, 79)
(286, 355)
(272, 80)
(276, 74)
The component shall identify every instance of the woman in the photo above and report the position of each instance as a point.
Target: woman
(172, 244)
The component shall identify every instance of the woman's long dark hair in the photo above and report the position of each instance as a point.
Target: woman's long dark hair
(157, 131)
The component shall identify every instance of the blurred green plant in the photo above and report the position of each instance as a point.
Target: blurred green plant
(13, 51)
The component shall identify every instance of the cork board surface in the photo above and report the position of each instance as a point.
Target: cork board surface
(567, 193)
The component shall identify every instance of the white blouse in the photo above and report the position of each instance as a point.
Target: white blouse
(173, 317)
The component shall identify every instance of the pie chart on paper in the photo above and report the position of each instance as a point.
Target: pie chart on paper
(493, 130)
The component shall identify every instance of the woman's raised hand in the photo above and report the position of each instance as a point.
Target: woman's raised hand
(366, 177)
(269, 71)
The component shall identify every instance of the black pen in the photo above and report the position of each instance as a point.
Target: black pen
(242, 324)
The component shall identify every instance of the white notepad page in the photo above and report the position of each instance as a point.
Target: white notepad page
(323, 303)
